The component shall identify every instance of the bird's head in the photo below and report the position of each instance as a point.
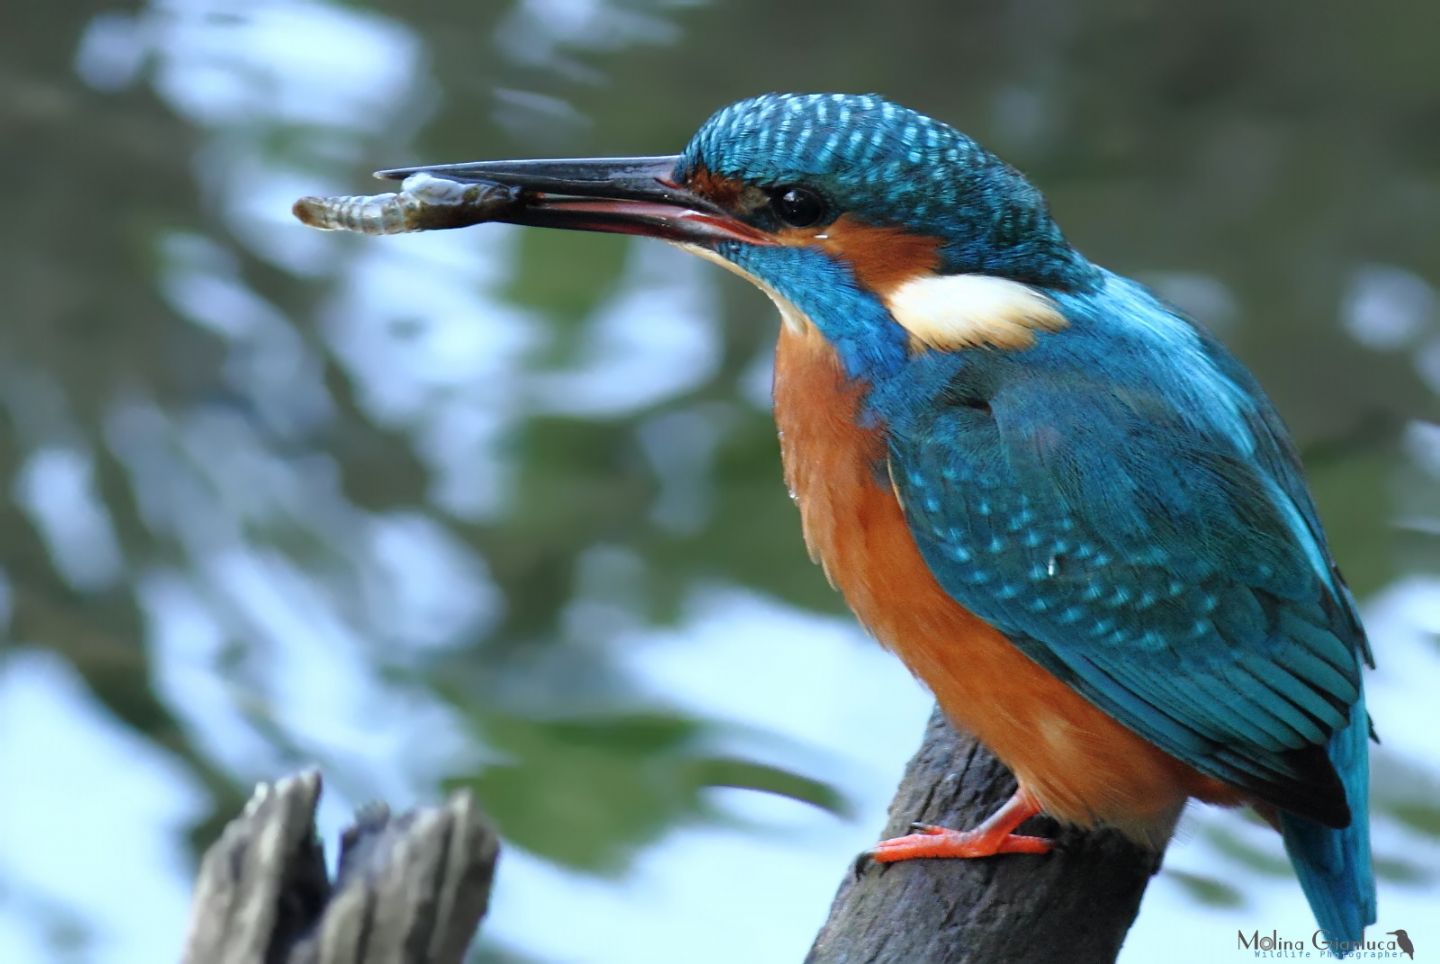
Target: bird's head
(884, 229)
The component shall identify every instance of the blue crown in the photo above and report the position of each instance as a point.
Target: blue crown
(890, 165)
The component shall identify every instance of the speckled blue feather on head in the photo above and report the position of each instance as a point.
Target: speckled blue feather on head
(889, 165)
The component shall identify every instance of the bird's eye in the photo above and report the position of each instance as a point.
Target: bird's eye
(798, 207)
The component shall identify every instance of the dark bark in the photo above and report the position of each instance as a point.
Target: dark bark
(409, 889)
(1074, 904)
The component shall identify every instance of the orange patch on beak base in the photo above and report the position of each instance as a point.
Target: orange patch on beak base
(883, 258)
(724, 191)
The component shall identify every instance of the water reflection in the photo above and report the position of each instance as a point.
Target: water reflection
(504, 508)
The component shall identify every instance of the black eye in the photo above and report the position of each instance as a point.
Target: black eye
(798, 207)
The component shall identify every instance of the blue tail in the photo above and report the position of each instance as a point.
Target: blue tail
(1334, 865)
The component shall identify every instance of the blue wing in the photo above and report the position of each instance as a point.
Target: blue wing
(1123, 503)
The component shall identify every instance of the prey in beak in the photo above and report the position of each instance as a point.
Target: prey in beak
(631, 195)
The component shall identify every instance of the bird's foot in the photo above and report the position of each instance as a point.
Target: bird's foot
(992, 837)
(929, 840)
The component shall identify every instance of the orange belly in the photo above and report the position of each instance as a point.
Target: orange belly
(1082, 766)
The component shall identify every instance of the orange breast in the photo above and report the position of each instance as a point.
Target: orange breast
(1082, 766)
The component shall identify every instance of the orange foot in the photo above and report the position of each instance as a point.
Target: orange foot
(992, 837)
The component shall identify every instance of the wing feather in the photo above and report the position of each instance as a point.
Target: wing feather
(1167, 566)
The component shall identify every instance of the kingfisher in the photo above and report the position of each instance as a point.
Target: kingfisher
(1067, 508)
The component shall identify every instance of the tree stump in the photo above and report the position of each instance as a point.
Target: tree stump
(410, 889)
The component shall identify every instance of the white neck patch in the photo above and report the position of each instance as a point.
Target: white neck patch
(954, 311)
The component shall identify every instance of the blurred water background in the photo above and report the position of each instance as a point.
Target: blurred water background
(504, 509)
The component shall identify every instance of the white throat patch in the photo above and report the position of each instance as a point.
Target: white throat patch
(954, 311)
(793, 317)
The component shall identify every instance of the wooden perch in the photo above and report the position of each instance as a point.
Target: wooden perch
(409, 889)
(1072, 905)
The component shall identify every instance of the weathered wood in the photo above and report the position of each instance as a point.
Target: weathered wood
(1073, 905)
(409, 889)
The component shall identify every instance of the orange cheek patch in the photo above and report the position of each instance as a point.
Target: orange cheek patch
(883, 258)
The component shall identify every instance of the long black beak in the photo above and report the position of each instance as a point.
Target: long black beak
(621, 195)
